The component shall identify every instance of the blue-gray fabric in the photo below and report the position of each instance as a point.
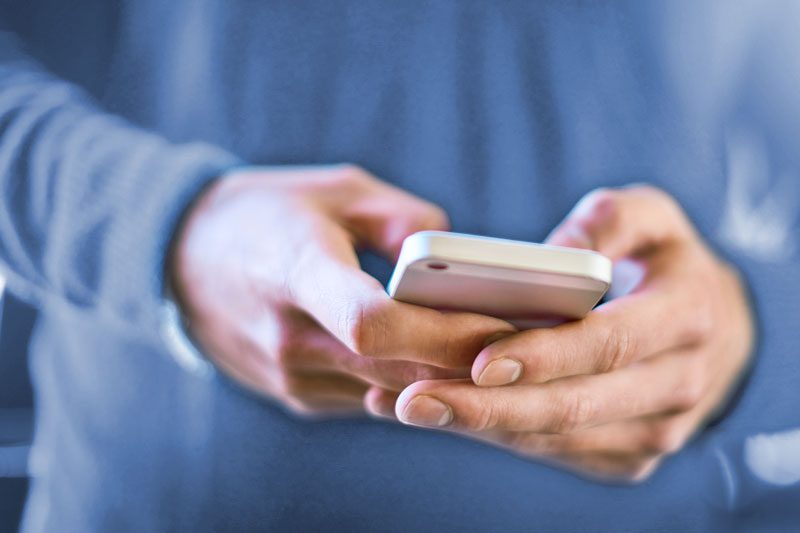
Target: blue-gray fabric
(114, 114)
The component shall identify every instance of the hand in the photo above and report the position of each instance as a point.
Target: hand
(266, 272)
(610, 395)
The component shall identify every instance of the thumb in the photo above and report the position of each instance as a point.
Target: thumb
(623, 222)
(380, 216)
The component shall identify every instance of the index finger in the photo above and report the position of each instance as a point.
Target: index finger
(354, 307)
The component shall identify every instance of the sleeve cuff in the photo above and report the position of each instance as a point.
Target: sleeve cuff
(139, 247)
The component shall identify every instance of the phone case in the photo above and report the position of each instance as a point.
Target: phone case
(530, 285)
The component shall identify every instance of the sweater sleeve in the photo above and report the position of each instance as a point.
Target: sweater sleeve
(89, 201)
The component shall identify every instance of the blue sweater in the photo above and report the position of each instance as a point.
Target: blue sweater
(114, 114)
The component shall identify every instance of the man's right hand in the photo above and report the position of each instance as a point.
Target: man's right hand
(266, 272)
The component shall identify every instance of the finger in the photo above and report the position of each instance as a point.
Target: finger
(303, 392)
(325, 281)
(327, 354)
(397, 375)
(325, 409)
(323, 385)
(662, 434)
(623, 464)
(656, 435)
(673, 382)
(653, 435)
(318, 351)
(623, 222)
(378, 214)
(296, 342)
(601, 465)
(607, 468)
(612, 336)
(375, 213)
(320, 393)
(380, 403)
(384, 218)
(357, 311)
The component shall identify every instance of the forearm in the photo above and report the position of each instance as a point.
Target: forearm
(89, 202)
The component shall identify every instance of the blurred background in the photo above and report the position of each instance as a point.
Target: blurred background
(16, 407)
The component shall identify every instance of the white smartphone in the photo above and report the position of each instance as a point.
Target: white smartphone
(529, 285)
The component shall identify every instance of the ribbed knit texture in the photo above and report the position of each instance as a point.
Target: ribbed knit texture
(505, 113)
(89, 200)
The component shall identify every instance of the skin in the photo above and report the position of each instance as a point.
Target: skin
(612, 395)
(266, 271)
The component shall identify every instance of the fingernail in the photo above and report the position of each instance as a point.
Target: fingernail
(427, 411)
(500, 372)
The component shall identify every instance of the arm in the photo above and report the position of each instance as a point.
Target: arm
(263, 265)
(88, 201)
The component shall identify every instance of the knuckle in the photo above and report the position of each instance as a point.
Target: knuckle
(731, 278)
(522, 442)
(344, 177)
(599, 196)
(700, 327)
(538, 368)
(483, 417)
(666, 199)
(618, 348)
(664, 438)
(424, 373)
(601, 205)
(349, 172)
(651, 190)
(691, 389)
(600, 215)
(287, 347)
(574, 413)
(365, 326)
(410, 373)
(285, 385)
(655, 193)
(335, 177)
(670, 206)
(437, 217)
(533, 444)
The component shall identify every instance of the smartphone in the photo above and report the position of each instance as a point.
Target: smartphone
(530, 285)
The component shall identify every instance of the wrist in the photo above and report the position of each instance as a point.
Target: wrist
(176, 327)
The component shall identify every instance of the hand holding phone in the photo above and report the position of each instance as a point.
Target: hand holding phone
(613, 394)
